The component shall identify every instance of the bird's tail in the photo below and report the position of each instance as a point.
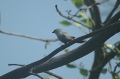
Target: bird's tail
(82, 41)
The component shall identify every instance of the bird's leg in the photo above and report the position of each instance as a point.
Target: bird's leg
(65, 44)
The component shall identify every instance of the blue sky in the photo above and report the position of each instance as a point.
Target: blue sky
(38, 18)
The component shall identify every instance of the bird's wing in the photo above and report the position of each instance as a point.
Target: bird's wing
(67, 36)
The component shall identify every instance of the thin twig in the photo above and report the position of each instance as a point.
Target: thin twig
(69, 17)
(98, 3)
(85, 9)
(112, 11)
(25, 36)
(115, 69)
(31, 73)
(53, 74)
(48, 41)
(16, 64)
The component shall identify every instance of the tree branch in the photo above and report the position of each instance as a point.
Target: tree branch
(79, 52)
(112, 11)
(85, 9)
(58, 61)
(114, 19)
(69, 17)
(57, 76)
(35, 74)
(96, 17)
(115, 69)
(48, 41)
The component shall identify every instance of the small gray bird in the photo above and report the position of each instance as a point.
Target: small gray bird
(64, 36)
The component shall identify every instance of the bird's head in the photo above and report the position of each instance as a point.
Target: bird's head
(56, 31)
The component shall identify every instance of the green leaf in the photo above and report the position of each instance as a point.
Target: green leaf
(70, 65)
(117, 51)
(84, 72)
(65, 23)
(77, 24)
(116, 76)
(79, 16)
(84, 15)
(78, 3)
(104, 71)
(86, 19)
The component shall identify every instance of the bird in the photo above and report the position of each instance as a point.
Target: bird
(64, 37)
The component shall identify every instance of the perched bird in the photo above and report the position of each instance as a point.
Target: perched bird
(64, 36)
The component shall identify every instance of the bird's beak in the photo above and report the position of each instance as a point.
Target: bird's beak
(53, 31)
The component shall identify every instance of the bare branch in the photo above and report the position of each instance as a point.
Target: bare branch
(48, 41)
(16, 64)
(25, 36)
(112, 11)
(53, 74)
(69, 17)
(85, 9)
(118, 64)
(31, 73)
